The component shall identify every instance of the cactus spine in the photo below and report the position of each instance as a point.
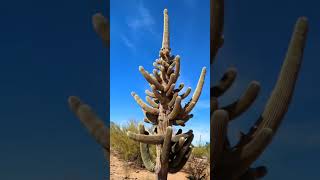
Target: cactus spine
(233, 163)
(164, 110)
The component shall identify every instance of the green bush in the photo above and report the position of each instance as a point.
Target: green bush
(126, 148)
(201, 151)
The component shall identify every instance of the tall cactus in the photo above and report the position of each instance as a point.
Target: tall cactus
(164, 111)
(233, 163)
(87, 116)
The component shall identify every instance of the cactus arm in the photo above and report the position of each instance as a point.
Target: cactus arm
(171, 81)
(101, 26)
(143, 105)
(170, 90)
(173, 100)
(280, 98)
(250, 152)
(166, 147)
(177, 146)
(184, 150)
(216, 27)
(185, 94)
(175, 169)
(157, 76)
(177, 67)
(176, 138)
(219, 124)
(180, 87)
(161, 98)
(150, 94)
(151, 102)
(152, 80)
(144, 150)
(176, 109)
(147, 139)
(225, 83)
(237, 108)
(188, 108)
(151, 117)
(91, 121)
(170, 68)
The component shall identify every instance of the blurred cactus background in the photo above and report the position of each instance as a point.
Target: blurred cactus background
(237, 147)
(50, 51)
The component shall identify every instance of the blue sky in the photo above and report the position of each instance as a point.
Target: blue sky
(136, 36)
(49, 51)
(256, 39)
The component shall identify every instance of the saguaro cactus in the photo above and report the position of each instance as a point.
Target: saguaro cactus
(87, 116)
(164, 111)
(233, 163)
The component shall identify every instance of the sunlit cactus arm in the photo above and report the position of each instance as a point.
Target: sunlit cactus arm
(188, 108)
(91, 121)
(143, 105)
(244, 102)
(151, 102)
(177, 146)
(157, 75)
(280, 98)
(148, 139)
(186, 94)
(101, 26)
(172, 80)
(150, 94)
(170, 90)
(145, 153)
(187, 134)
(152, 80)
(177, 68)
(176, 109)
(225, 82)
(161, 98)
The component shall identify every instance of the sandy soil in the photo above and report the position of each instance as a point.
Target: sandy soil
(122, 170)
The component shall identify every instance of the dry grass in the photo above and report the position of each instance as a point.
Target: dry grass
(126, 148)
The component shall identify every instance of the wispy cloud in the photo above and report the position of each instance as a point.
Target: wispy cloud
(127, 42)
(142, 21)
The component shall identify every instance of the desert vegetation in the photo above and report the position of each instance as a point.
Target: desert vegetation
(128, 151)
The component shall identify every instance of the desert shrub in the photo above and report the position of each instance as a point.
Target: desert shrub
(201, 151)
(124, 147)
(197, 168)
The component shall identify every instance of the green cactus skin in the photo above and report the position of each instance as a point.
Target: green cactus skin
(233, 163)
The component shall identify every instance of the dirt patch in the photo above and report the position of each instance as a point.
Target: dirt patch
(120, 169)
